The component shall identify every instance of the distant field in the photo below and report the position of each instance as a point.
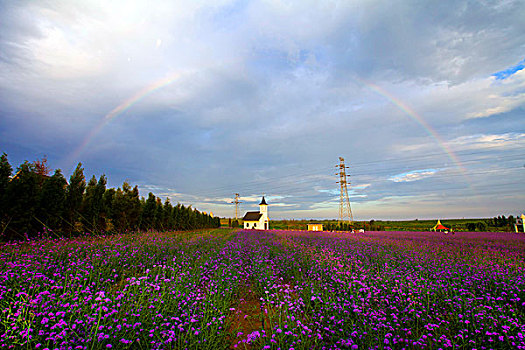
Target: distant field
(224, 289)
(391, 225)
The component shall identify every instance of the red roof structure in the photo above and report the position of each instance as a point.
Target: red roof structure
(439, 226)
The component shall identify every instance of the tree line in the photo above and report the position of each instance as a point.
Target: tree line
(497, 223)
(34, 203)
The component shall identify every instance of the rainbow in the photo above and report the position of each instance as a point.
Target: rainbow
(156, 85)
(121, 108)
(419, 120)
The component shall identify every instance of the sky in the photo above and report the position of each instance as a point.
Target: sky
(198, 100)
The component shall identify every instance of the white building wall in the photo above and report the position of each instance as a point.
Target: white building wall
(259, 225)
(250, 225)
(263, 209)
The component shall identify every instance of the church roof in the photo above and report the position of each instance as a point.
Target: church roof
(252, 216)
(263, 202)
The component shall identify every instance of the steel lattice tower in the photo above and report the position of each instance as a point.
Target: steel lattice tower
(236, 201)
(344, 201)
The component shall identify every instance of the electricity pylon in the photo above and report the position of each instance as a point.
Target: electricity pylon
(236, 201)
(344, 201)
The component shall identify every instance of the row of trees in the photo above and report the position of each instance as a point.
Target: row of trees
(499, 223)
(502, 221)
(476, 226)
(33, 203)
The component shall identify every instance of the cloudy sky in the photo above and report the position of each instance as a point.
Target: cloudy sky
(197, 100)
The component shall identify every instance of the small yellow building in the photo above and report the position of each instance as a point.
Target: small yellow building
(315, 227)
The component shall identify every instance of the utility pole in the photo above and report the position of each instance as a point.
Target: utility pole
(344, 201)
(236, 201)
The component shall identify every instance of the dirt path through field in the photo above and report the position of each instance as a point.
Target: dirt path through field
(247, 319)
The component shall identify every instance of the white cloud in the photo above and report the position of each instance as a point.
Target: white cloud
(284, 205)
(414, 175)
(501, 96)
(507, 140)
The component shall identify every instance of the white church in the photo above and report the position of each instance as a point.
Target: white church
(257, 220)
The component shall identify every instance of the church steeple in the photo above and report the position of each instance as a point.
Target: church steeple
(263, 209)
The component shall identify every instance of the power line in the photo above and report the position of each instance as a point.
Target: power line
(436, 175)
(290, 191)
(321, 171)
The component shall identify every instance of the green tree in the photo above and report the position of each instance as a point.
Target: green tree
(168, 215)
(126, 208)
(74, 195)
(88, 205)
(22, 200)
(134, 208)
(5, 174)
(119, 217)
(99, 212)
(159, 215)
(184, 219)
(93, 204)
(148, 212)
(510, 222)
(107, 207)
(52, 200)
(177, 217)
(481, 226)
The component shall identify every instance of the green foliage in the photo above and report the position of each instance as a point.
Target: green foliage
(93, 212)
(481, 226)
(99, 209)
(158, 217)
(33, 203)
(167, 214)
(52, 201)
(22, 200)
(126, 208)
(148, 212)
(5, 173)
(74, 195)
(107, 206)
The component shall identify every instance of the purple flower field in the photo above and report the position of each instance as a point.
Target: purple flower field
(223, 289)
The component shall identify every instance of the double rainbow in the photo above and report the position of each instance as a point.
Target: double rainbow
(159, 84)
